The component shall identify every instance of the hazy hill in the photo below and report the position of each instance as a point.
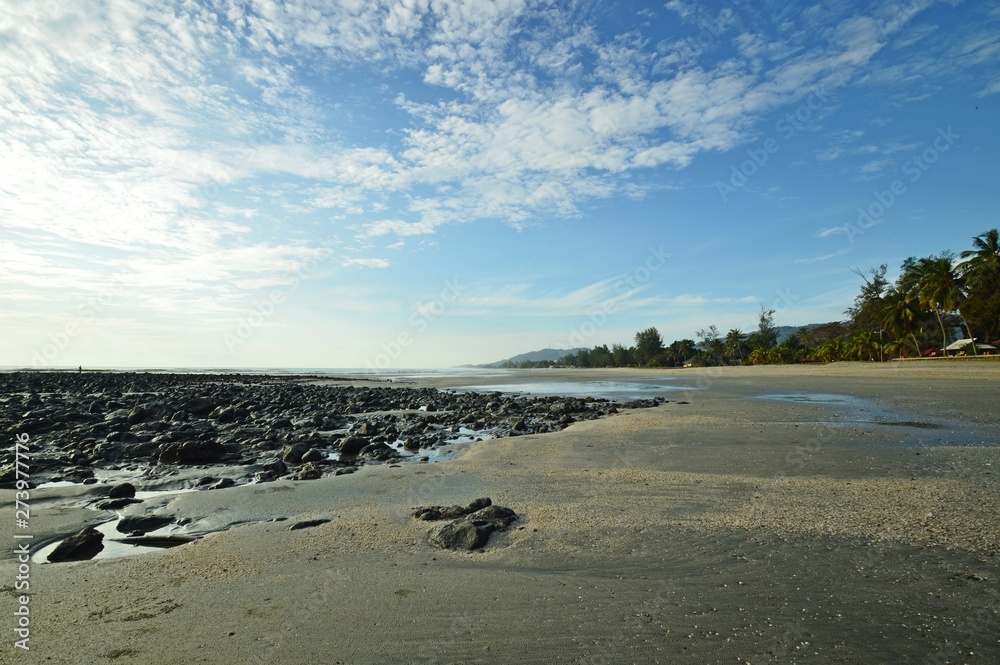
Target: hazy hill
(534, 356)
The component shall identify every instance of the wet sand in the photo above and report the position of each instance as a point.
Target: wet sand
(733, 528)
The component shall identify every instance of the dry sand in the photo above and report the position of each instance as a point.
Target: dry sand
(731, 529)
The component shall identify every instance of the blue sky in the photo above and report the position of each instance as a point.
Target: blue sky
(425, 183)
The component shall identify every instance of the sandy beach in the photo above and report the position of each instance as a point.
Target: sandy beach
(844, 513)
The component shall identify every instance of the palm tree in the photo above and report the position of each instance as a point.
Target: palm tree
(980, 268)
(901, 311)
(934, 280)
(734, 343)
(984, 258)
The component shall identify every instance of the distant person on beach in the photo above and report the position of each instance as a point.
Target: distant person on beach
(81, 369)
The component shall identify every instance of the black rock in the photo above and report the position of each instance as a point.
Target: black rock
(277, 467)
(308, 472)
(265, 476)
(293, 453)
(458, 535)
(142, 523)
(192, 452)
(199, 406)
(378, 451)
(116, 504)
(367, 429)
(307, 524)
(313, 455)
(494, 514)
(123, 491)
(81, 546)
(352, 445)
(223, 483)
(478, 504)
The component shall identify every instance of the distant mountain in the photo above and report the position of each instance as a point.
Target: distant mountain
(534, 356)
(784, 332)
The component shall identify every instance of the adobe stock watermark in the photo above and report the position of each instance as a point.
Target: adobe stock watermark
(87, 310)
(420, 320)
(914, 168)
(625, 286)
(791, 124)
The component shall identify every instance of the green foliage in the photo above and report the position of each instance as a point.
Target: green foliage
(933, 297)
(648, 345)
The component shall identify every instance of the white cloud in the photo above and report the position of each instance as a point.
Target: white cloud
(366, 263)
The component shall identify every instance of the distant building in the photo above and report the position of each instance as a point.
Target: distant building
(957, 348)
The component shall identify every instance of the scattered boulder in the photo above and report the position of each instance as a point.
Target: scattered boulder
(367, 429)
(308, 472)
(313, 455)
(123, 491)
(142, 523)
(192, 452)
(497, 515)
(379, 451)
(482, 518)
(116, 504)
(479, 504)
(199, 406)
(457, 535)
(293, 453)
(81, 546)
(352, 445)
(278, 467)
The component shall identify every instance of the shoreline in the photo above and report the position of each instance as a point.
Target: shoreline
(725, 528)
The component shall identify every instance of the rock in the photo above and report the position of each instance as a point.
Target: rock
(123, 491)
(497, 515)
(224, 414)
(378, 451)
(367, 429)
(142, 523)
(307, 524)
(199, 406)
(282, 423)
(478, 504)
(308, 472)
(458, 535)
(428, 513)
(116, 504)
(352, 445)
(293, 453)
(278, 467)
(223, 483)
(313, 455)
(136, 416)
(81, 546)
(192, 452)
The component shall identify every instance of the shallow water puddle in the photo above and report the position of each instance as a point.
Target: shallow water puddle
(613, 390)
(113, 547)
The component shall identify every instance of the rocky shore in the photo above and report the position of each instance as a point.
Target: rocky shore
(124, 432)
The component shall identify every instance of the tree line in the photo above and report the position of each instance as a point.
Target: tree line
(935, 299)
